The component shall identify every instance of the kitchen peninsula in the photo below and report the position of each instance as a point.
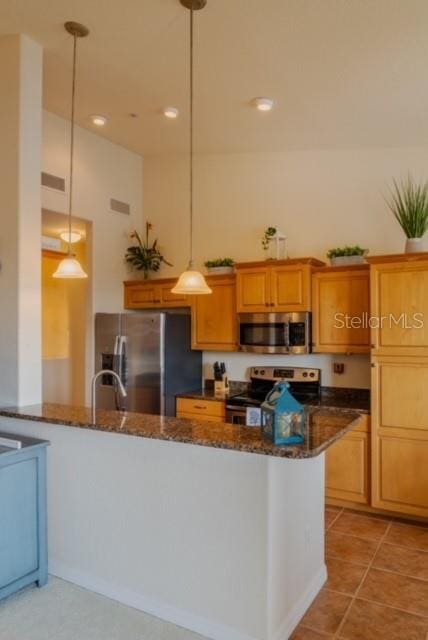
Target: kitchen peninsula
(209, 536)
(224, 536)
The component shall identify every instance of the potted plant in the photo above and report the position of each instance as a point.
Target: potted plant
(409, 203)
(144, 256)
(347, 255)
(220, 265)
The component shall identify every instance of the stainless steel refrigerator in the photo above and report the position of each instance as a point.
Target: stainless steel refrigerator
(151, 351)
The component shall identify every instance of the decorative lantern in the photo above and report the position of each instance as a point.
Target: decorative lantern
(282, 418)
(276, 247)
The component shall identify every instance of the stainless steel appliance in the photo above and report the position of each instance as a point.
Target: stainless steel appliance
(305, 385)
(275, 332)
(151, 352)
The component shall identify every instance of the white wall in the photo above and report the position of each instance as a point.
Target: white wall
(20, 226)
(356, 374)
(103, 170)
(320, 199)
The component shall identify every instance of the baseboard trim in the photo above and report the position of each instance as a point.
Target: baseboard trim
(291, 621)
(179, 617)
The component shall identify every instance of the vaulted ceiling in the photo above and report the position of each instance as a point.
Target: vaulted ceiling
(343, 73)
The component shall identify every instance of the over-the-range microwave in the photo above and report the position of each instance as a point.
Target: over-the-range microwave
(275, 332)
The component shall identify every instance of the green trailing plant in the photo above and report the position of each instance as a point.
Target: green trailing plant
(339, 252)
(145, 256)
(268, 234)
(219, 262)
(408, 202)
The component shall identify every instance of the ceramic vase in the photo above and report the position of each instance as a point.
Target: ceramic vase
(414, 245)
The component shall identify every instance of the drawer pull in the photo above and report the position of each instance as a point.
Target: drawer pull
(198, 406)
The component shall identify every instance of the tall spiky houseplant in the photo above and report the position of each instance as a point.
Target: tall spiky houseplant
(408, 202)
(145, 256)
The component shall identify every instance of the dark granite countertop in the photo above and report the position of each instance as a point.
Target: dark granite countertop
(330, 398)
(207, 393)
(324, 427)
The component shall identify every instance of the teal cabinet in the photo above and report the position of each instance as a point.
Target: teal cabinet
(23, 537)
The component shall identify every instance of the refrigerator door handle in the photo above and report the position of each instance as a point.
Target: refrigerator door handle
(116, 350)
(118, 360)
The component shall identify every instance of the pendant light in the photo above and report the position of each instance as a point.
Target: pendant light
(191, 282)
(70, 267)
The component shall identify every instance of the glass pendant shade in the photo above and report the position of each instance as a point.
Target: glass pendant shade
(191, 283)
(70, 237)
(69, 268)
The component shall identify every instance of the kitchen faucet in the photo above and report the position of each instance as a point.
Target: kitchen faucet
(108, 372)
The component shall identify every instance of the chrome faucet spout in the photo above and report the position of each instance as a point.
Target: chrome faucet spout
(108, 372)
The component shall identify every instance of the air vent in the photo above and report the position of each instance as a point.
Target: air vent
(53, 182)
(120, 207)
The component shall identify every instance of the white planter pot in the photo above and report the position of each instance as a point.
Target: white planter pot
(344, 260)
(220, 270)
(414, 245)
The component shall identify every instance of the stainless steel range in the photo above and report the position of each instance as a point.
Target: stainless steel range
(305, 385)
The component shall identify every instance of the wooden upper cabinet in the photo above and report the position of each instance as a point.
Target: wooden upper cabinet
(341, 305)
(153, 294)
(291, 288)
(400, 434)
(214, 321)
(253, 289)
(279, 286)
(399, 306)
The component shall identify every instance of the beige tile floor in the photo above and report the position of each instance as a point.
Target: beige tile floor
(377, 586)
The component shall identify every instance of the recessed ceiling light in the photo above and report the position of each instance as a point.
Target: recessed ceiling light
(99, 120)
(75, 236)
(263, 104)
(171, 112)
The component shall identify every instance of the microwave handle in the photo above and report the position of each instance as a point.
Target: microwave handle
(287, 334)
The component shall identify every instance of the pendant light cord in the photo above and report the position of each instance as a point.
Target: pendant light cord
(73, 94)
(191, 140)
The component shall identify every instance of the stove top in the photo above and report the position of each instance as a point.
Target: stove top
(305, 385)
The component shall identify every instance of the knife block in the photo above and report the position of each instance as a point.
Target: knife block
(221, 387)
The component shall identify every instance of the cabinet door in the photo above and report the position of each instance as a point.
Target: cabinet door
(18, 521)
(347, 466)
(214, 321)
(253, 290)
(399, 302)
(290, 288)
(168, 299)
(153, 294)
(141, 295)
(400, 435)
(341, 311)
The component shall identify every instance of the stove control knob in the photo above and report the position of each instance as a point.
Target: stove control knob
(305, 374)
(256, 371)
(312, 374)
(262, 372)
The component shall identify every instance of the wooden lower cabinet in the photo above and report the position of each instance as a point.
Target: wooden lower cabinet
(347, 466)
(400, 435)
(214, 318)
(209, 410)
